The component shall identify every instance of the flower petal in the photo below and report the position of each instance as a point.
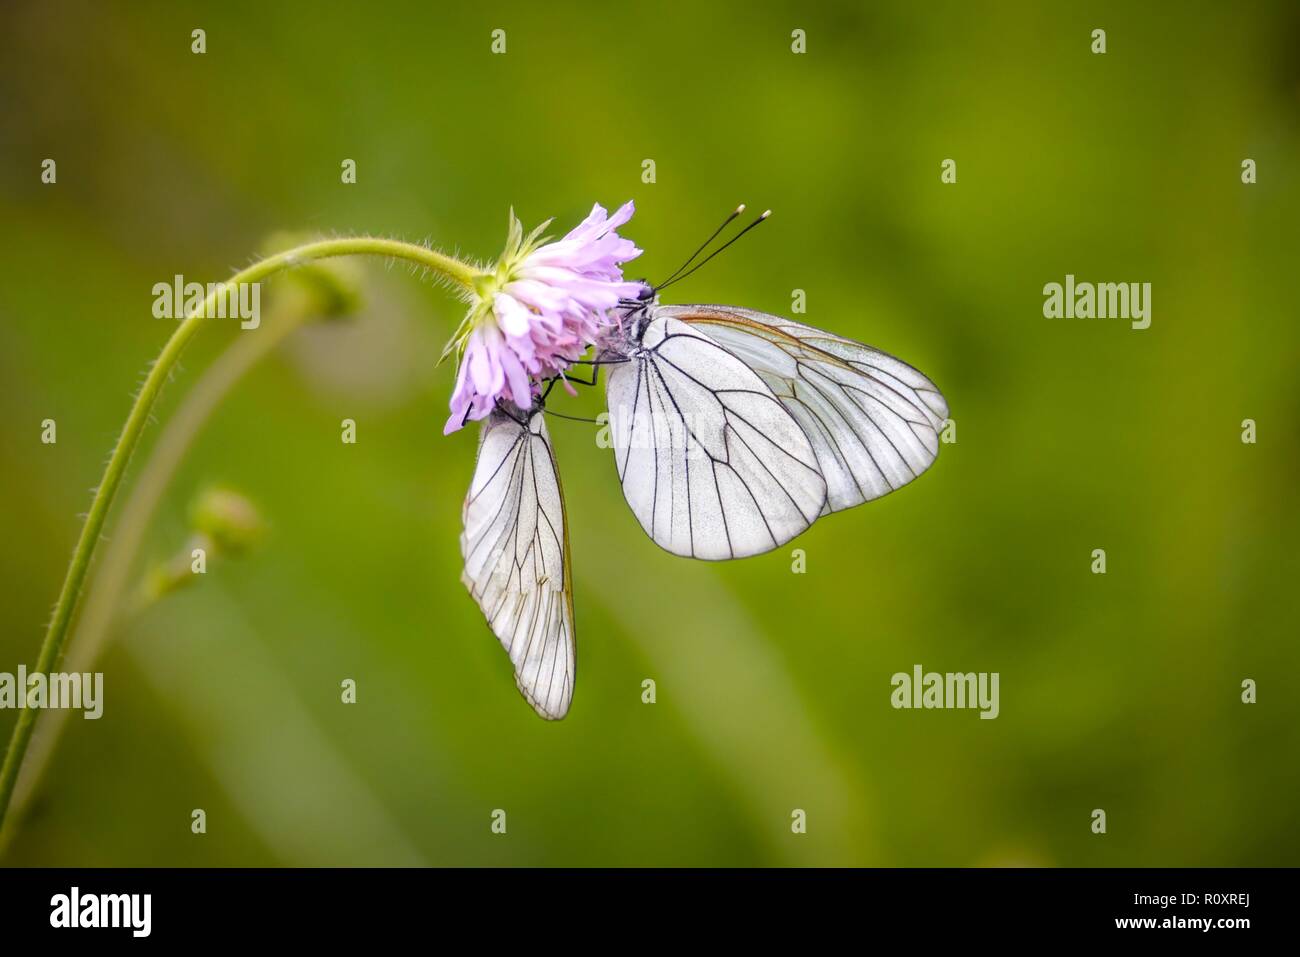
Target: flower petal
(553, 303)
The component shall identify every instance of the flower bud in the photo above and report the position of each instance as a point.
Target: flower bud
(231, 521)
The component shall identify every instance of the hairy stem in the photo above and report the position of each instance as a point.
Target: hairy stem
(57, 632)
(103, 595)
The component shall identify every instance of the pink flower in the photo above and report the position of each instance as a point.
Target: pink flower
(540, 309)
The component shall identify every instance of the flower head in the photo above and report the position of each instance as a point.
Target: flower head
(538, 310)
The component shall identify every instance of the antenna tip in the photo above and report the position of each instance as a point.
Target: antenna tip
(766, 214)
(739, 209)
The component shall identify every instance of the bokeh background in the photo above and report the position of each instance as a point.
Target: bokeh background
(1119, 692)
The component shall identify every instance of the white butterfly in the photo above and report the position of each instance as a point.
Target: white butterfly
(793, 423)
(733, 431)
(516, 551)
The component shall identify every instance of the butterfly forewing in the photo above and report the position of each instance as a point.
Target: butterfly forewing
(515, 546)
(873, 420)
(712, 465)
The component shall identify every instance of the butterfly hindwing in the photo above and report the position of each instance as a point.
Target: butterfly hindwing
(516, 551)
(873, 420)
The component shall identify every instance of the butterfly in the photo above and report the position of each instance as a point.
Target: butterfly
(732, 431)
(515, 545)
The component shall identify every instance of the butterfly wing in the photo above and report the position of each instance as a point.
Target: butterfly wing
(873, 420)
(516, 550)
(712, 465)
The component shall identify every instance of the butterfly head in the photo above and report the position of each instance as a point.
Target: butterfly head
(647, 296)
(634, 313)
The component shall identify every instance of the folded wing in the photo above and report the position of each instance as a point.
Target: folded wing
(712, 465)
(516, 551)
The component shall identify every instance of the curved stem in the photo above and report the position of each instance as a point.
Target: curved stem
(101, 601)
(57, 632)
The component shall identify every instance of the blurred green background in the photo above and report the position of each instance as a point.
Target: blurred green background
(1119, 691)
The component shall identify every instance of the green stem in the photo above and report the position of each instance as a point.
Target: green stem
(290, 310)
(57, 632)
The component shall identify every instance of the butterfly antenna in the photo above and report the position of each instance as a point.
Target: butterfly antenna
(571, 418)
(705, 245)
(676, 278)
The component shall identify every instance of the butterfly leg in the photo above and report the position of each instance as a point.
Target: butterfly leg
(509, 410)
(595, 370)
(595, 377)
